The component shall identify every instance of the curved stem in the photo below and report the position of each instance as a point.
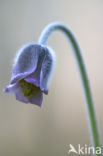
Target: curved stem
(83, 74)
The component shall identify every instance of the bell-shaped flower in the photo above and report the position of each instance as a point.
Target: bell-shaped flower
(32, 70)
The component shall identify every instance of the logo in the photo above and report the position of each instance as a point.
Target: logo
(84, 150)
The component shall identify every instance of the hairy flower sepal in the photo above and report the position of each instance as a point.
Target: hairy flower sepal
(32, 70)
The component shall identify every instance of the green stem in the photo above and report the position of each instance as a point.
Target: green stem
(83, 74)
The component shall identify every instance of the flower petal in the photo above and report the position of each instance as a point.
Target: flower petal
(11, 88)
(46, 70)
(37, 98)
(16, 89)
(26, 61)
(35, 76)
(18, 77)
(19, 96)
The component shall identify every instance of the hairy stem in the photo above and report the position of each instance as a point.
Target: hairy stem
(83, 75)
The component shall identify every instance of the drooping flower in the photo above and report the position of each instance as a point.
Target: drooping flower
(32, 70)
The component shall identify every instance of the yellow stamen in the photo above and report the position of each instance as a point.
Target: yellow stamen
(28, 89)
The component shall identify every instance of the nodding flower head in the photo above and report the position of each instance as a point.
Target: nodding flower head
(32, 70)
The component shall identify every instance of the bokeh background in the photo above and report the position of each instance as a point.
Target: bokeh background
(27, 130)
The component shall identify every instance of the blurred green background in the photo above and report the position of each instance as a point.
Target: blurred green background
(27, 130)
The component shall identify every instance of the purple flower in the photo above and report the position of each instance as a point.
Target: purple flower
(32, 70)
